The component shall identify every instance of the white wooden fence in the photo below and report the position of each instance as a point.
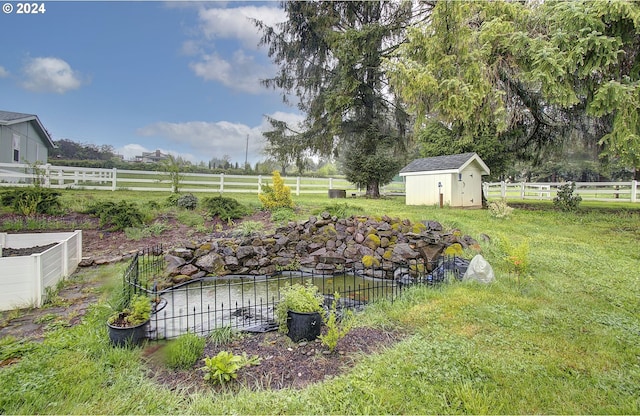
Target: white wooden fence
(589, 191)
(24, 279)
(50, 176)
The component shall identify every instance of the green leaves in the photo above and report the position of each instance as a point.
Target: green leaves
(224, 367)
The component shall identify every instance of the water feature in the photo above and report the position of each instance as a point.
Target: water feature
(247, 302)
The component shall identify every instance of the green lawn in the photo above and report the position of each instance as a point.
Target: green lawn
(564, 338)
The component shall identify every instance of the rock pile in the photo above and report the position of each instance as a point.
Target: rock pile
(323, 244)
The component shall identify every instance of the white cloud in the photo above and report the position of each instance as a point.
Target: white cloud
(50, 75)
(236, 22)
(239, 69)
(240, 73)
(3, 72)
(212, 139)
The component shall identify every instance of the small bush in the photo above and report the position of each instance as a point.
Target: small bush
(118, 216)
(225, 208)
(31, 201)
(337, 328)
(342, 210)
(565, 199)
(248, 228)
(276, 196)
(282, 214)
(189, 202)
(500, 209)
(184, 351)
(222, 335)
(172, 200)
(225, 366)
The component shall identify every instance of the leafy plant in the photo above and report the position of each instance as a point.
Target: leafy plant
(225, 208)
(221, 335)
(282, 214)
(342, 209)
(565, 199)
(118, 215)
(138, 311)
(247, 228)
(224, 367)
(33, 200)
(184, 351)
(298, 298)
(337, 328)
(500, 209)
(276, 196)
(189, 202)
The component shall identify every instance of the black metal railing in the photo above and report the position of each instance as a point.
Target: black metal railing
(247, 302)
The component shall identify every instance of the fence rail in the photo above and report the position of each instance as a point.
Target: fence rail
(247, 302)
(14, 174)
(589, 191)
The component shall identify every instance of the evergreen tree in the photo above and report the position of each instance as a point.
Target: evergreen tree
(330, 55)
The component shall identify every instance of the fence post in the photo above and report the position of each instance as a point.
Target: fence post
(47, 176)
(503, 189)
(298, 186)
(114, 181)
(522, 185)
(634, 191)
(259, 183)
(330, 183)
(222, 182)
(60, 177)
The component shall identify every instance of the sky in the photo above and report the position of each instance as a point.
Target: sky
(180, 77)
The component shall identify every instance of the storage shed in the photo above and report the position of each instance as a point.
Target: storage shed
(458, 178)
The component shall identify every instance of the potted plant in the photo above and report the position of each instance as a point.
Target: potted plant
(128, 324)
(299, 312)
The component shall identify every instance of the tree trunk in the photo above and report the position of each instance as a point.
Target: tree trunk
(373, 189)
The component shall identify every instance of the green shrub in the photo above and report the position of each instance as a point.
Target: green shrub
(282, 214)
(565, 199)
(189, 202)
(118, 216)
(337, 328)
(184, 351)
(31, 201)
(343, 210)
(225, 208)
(172, 200)
(222, 335)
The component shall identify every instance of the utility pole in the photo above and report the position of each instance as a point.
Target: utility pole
(246, 153)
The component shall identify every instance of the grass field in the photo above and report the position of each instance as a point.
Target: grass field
(561, 336)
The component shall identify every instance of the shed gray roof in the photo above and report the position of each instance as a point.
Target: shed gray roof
(8, 118)
(438, 163)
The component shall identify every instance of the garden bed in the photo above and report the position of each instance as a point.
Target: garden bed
(25, 278)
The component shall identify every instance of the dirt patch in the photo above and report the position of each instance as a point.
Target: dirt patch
(27, 251)
(283, 364)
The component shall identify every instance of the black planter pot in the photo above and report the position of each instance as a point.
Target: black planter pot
(303, 325)
(132, 335)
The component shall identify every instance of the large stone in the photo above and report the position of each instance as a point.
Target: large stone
(173, 264)
(431, 253)
(189, 270)
(245, 251)
(211, 263)
(183, 253)
(402, 252)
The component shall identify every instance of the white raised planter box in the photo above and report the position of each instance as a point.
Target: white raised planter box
(23, 280)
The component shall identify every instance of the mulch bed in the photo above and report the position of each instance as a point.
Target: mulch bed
(284, 364)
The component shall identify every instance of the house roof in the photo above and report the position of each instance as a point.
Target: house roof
(7, 118)
(444, 164)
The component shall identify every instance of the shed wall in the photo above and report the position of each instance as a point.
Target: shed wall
(32, 147)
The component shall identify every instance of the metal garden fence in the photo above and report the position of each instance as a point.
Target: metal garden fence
(247, 302)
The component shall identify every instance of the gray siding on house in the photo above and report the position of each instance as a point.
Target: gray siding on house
(22, 137)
